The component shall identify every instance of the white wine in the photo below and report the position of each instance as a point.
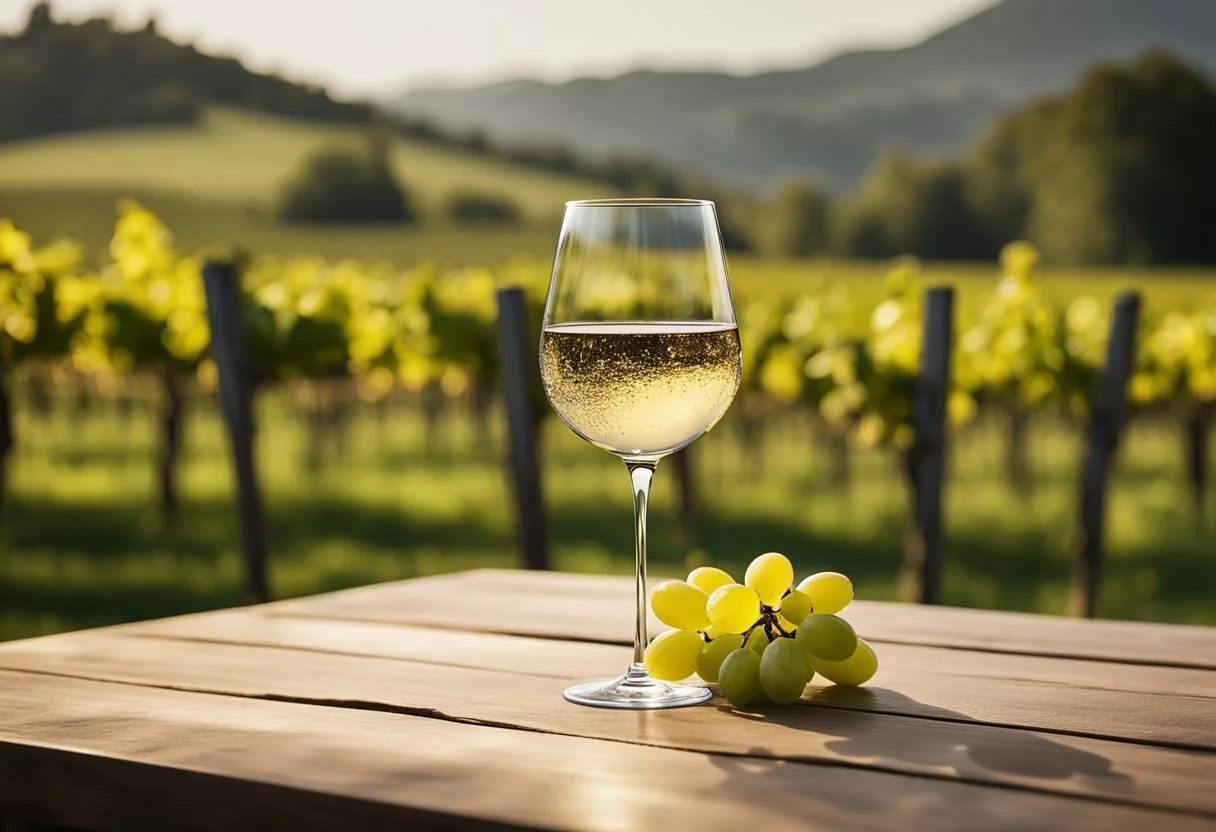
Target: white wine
(640, 389)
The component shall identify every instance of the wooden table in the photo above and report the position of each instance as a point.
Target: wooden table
(436, 703)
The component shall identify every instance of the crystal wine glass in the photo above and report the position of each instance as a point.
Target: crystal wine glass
(640, 356)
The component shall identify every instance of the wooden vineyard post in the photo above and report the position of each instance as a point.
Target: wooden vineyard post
(230, 351)
(1197, 433)
(834, 445)
(686, 485)
(517, 358)
(7, 439)
(169, 419)
(1108, 412)
(925, 460)
(1015, 450)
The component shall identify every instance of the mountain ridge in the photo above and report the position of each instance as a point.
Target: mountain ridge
(831, 118)
(68, 77)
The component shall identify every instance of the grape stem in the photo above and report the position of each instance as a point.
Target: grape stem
(768, 620)
(748, 632)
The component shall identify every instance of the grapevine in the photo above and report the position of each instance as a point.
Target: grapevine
(430, 330)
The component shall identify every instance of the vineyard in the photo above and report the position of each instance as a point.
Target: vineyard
(348, 354)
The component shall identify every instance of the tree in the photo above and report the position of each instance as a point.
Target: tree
(797, 222)
(911, 206)
(490, 209)
(40, 19)
(1121, 170)
(343, 184)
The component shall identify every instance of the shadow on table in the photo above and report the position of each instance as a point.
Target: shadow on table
(932, 738)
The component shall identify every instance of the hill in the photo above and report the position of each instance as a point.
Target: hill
(833, 118)
(90, 113)
(214, 181)
(64, 77)
(241, 157)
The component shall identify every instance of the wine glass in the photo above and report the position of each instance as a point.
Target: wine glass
(640, 356)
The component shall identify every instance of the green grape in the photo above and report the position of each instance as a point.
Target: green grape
(827, 636)
(733, 608)
(739, 678)
(758, 640)
(680, 605)
(761, 699)
(785, 669)
(709, 578)
(770, 575)
(828, 591)
(857, 669)
(673, 655)
(795, 607)
(710, 662)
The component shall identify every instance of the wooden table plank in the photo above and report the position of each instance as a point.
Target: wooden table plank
(1164, 705)
(61, 738)
(1101, 770)
(523, 654)
(978, 707)
(596, 608)
(517, 653)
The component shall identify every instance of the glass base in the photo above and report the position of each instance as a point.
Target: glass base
(636, 690)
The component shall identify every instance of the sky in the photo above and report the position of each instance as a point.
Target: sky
(376, 47)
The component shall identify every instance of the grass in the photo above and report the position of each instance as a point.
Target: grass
(233, 156)
(88, 216)
(214, 182)
(862, 282)
(80, 543)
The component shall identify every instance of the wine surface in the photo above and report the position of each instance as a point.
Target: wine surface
(640, 388)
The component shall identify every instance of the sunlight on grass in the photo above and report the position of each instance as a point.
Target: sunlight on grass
(83, 546)
(236, 156)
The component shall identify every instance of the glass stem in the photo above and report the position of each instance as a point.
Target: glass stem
(640, 473)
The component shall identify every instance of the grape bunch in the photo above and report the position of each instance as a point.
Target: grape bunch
(762, 640)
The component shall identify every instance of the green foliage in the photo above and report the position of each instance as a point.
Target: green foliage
(229, 168)
(908, 206)
(40, 19)
(79, 550)
(1121, 170)
(61, 77)
(1028, 350)
(474, 208)
(341, 184)
(424, 328)
(797, 223)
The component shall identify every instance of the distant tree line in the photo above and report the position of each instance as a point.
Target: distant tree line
(345, 183)
(1120, 170)
(340, 184)
(59, 77)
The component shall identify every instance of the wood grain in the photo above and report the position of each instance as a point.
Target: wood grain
(597, 608)
(134, 757)
(948, 746)
(515, 654)
(390, 706)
